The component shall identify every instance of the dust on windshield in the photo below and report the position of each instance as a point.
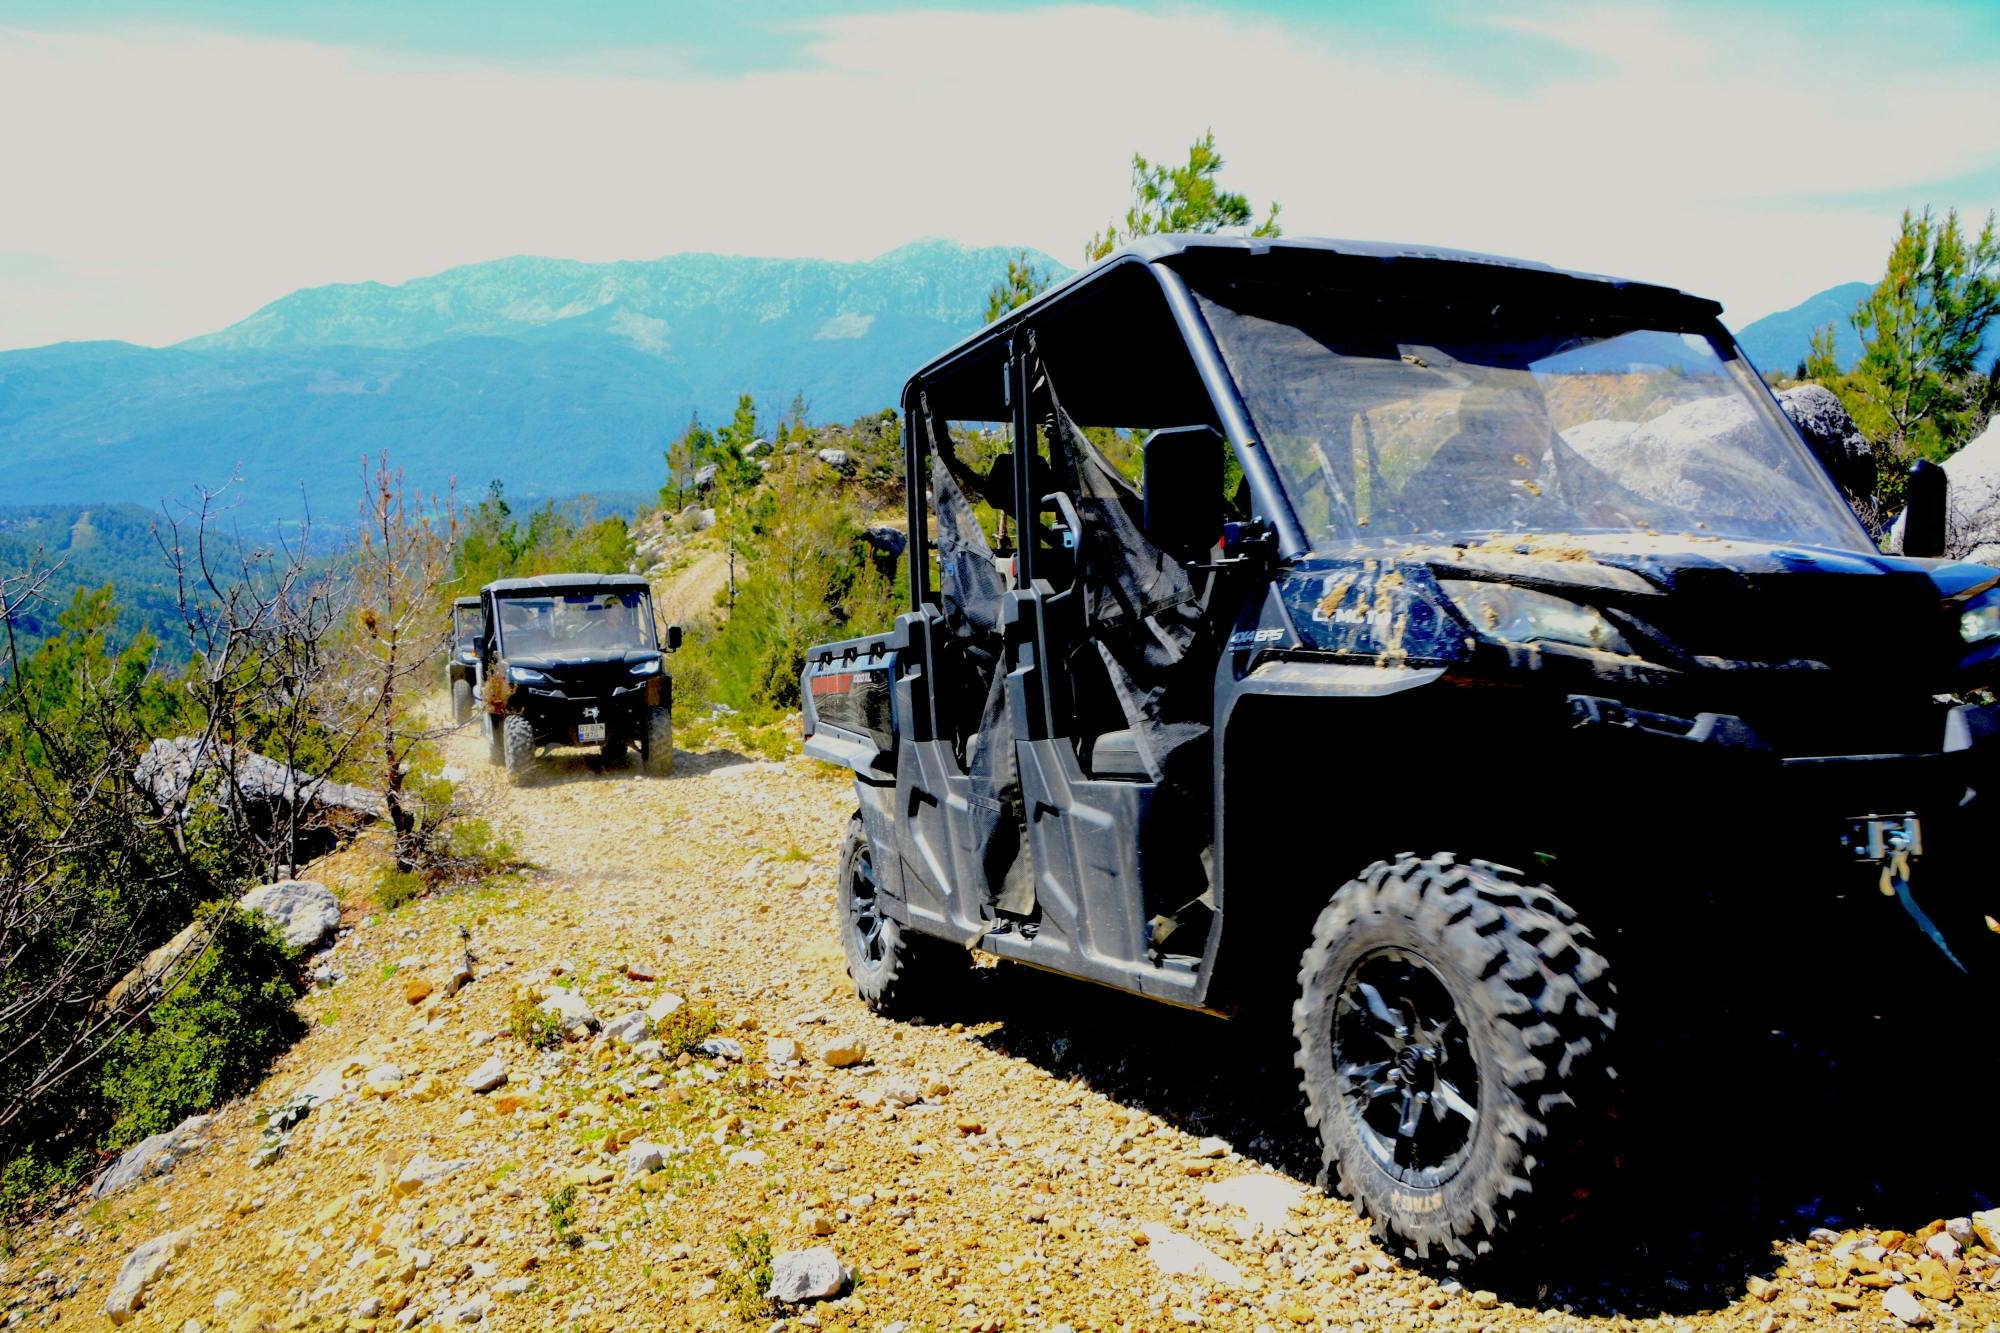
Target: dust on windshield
(1397, 419)
(575, 623)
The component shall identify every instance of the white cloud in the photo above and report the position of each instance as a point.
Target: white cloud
(165, 183)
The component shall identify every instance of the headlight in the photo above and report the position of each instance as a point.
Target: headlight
(1980, 621)
(468, 656)
(526, 676)
(649, 667)
(1508, 614)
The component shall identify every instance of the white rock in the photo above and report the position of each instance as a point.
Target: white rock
(304, 911)
(798, 1276)
(642, 1158)
(424, 1171)
(844, 1050)
(490, 1075)
(1944, 1245)
(662, 1009)
(747, 1157)
(573, 1010)
(384, 1077)
(629, 1029)
(1212, 1147)
(1182, 1256)
(722, 1048)
(781, 1051)
(140, 1269)
(153, 1156)
(1900, 1302)
(1266, 1200)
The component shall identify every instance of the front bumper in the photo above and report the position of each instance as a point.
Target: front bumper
(1810, 818)
(560, 717)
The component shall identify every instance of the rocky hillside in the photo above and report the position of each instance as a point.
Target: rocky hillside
(592, 1096)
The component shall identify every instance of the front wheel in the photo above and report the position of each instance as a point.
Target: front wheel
(519, 746)
(893, 969)
(1454, 1026)
(461, 702)
(658, 751)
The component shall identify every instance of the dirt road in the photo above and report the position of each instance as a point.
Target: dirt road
(1037, 1156)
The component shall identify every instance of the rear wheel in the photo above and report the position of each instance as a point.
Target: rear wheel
(659, 749)
(893, 970)
(1454, 1024)
(461, 702)
(518, 746)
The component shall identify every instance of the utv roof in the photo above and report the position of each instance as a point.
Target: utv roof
(473, 600)
(551, 582)
(1374, 264)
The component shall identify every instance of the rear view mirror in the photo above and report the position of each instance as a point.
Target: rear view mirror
(1183, 489)
(478, 645)
(673, 638)
(1924, 510)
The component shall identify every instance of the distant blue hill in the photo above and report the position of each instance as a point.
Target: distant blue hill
(1780, 342)
(554, 375)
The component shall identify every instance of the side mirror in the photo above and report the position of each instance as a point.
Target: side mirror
(1183, 489)
(1924, 510)
(478, 645)
(673, 638)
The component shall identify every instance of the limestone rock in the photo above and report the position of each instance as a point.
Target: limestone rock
(1182, 1256)
(488, 1076)
(304, 911)
(660, 1010)
(573, 1010)
(1899, 1302)
(1833, 436)
(798, 1276)
(154, 1156)
(629, 1029)
(424, 1171)
(141, 1268)
(844, 1050)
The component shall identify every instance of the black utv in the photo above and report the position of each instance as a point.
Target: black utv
(461, 667)
(575, 659)
(1466, 649)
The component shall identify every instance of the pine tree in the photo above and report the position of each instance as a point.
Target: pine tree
(1168, 199)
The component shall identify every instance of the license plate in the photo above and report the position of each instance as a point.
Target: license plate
(589, 731)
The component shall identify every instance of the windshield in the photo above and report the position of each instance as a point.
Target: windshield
(1393, 418)
(464, 623)
(553, 624)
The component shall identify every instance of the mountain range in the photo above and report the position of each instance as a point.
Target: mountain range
(554, 375)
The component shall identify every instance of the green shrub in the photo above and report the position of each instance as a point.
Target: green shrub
(686, 1028)
(474, 841)
(212, 1037)
(532, 1026)
(562, 1216)
(395, 887)
(745, 1285)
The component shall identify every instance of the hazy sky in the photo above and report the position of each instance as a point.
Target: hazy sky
(166, 168)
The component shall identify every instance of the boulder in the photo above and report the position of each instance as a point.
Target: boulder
(629, 1029)
(488, 1076)
(172, 769)
(304, 911)
(154, 1156)
(1832, 435)
(888, 541)
(1973, 529)
(704, 476)
(573, 1010)
(834, 458)
(798, 1276)
(141, 1268)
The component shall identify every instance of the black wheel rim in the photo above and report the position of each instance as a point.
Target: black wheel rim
(864, 911)
(1403, 1063)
